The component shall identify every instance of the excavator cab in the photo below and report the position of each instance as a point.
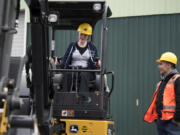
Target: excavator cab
(73, 112)
(73, 105)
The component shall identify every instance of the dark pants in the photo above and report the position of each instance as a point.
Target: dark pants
(167, 127)
(70, 81)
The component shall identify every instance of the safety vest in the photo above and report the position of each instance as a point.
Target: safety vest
(169, 102)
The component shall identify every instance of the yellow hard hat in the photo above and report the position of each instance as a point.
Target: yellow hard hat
(169, 57)
(85, 28)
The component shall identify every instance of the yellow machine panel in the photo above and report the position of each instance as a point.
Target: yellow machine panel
(88, 127)
(3, 121)
(0, 121)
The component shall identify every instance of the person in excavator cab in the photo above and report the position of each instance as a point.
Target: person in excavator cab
(82, 55)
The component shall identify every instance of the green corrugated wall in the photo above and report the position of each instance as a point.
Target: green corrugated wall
(134, 44)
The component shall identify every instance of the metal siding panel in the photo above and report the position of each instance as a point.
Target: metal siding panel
(133, 46)
(63, 39)
(124, 8)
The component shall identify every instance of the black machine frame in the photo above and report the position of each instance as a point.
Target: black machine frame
(10, 72)
(39, 10)
(102, 70)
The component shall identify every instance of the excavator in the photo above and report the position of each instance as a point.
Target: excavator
(45, 108)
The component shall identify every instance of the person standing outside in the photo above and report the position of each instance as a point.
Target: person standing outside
(165, 106)
(81, 54)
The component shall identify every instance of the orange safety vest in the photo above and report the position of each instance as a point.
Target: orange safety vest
(169, 102)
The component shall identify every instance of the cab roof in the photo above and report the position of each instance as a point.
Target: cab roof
(71, 13)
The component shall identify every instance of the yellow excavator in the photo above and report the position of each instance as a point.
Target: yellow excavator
(46, 109)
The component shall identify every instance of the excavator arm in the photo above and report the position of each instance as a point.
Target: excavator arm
(10, 102)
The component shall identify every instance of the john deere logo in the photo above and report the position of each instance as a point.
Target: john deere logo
(84, 129)
(74, 129)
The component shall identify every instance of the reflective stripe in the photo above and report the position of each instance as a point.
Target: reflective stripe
(176, 76)
(171, 82)
(169, 107)
(173, 79)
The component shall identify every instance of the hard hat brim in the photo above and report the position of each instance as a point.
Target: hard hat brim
(89, 34)
(158, 61)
